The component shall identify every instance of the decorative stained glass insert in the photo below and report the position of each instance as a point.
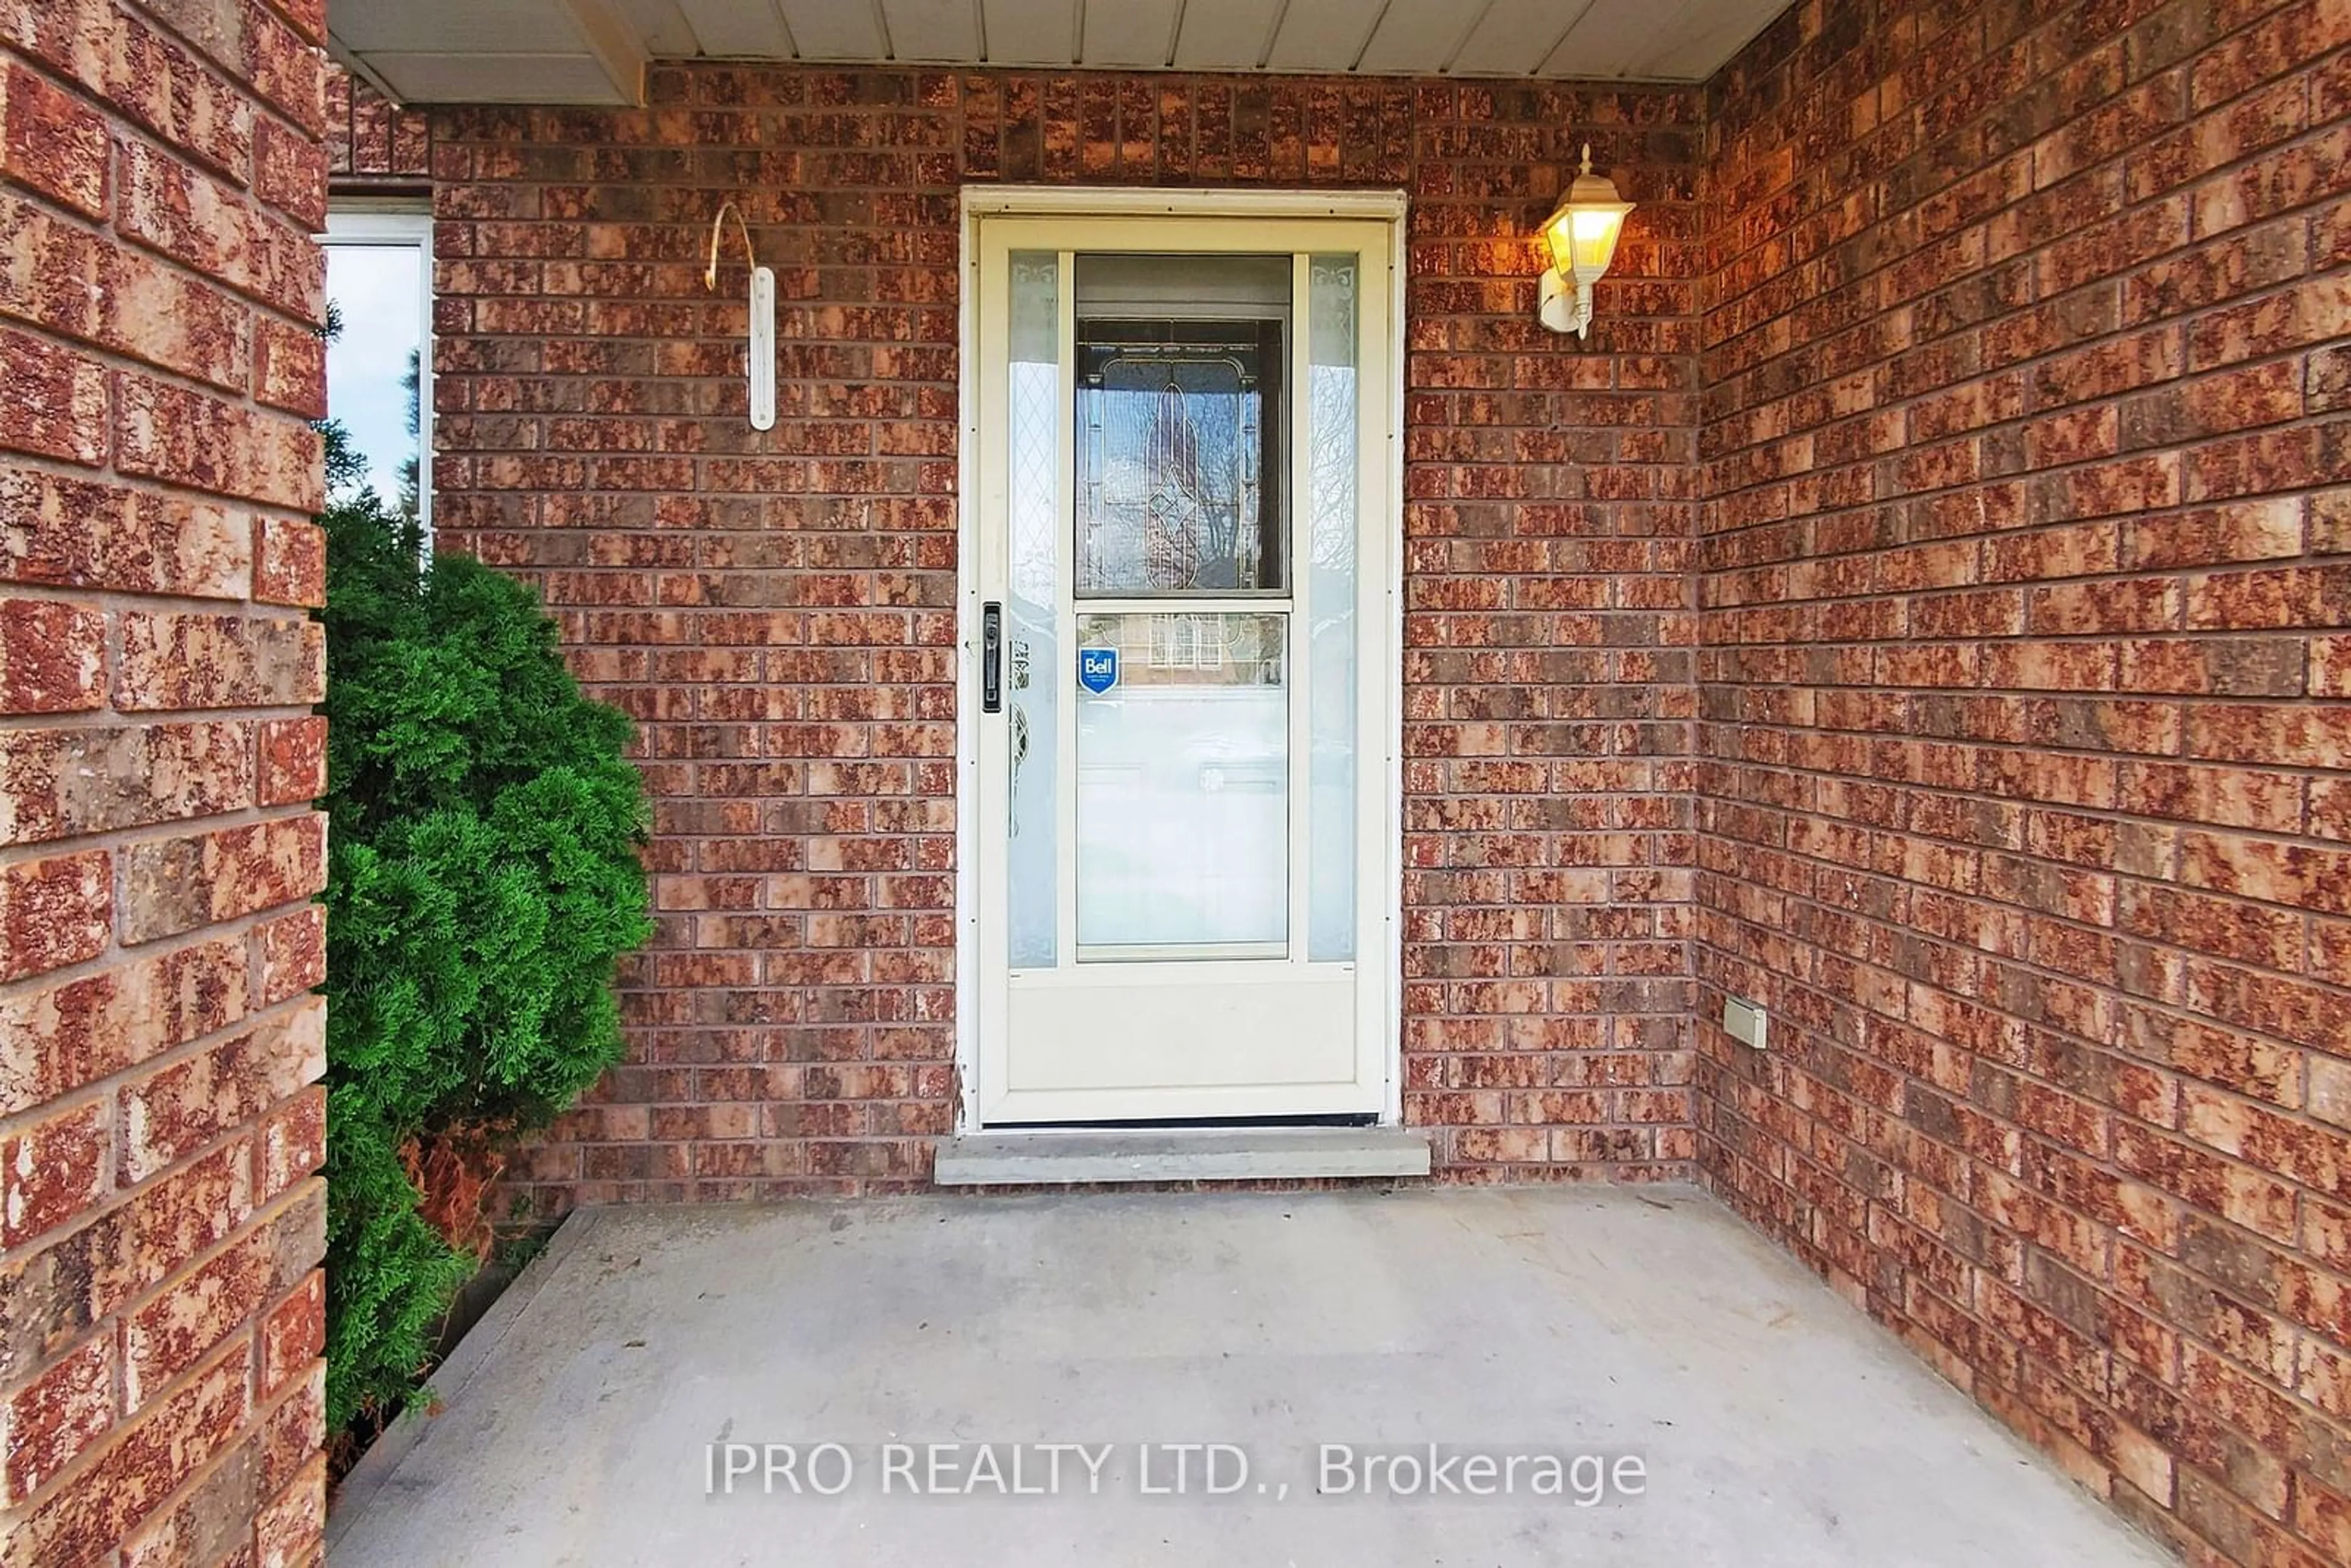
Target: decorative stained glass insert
(1180, 380)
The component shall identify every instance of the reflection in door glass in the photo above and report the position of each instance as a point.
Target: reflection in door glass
(1180, 410)
(1183, 770)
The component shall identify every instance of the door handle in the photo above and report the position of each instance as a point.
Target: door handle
(991, 657)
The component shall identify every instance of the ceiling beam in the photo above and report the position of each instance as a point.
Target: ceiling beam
(350, 61)
(614, 42)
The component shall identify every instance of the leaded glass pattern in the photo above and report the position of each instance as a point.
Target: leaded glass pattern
(1334, 466)
(1178, 491)
(1032, 609)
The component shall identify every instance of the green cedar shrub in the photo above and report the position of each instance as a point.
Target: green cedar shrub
(483, 877)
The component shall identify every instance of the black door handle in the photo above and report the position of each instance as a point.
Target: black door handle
(991, 657)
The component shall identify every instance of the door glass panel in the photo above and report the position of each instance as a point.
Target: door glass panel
(1333, 464)
(1031, 664)
(1183, 785)
(1180, 418)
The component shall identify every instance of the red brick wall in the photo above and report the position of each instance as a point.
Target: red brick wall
(778, 610)
(161, 1308)
(2016, 731)
(2026, 570)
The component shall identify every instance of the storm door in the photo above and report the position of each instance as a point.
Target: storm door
(1183, 430)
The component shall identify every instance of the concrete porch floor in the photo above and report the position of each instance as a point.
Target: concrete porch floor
(1775, 1425)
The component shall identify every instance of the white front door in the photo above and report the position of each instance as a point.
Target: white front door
(1178, 605)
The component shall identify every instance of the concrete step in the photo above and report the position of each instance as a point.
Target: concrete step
(1187, 1153)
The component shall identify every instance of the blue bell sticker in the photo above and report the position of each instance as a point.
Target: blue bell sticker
(1098, 669)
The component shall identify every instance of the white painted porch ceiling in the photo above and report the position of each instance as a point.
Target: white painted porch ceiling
(591, 51)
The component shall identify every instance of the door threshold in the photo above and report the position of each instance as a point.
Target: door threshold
(1187, 1153)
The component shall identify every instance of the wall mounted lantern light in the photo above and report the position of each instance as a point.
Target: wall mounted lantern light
(1581, 233)
(762, 355)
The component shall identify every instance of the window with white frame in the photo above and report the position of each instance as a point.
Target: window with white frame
(379, 357)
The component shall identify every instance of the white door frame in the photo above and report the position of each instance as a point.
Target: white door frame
(1383, 740)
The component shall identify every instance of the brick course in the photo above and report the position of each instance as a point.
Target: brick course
(2023, 731)
(160, 1223)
